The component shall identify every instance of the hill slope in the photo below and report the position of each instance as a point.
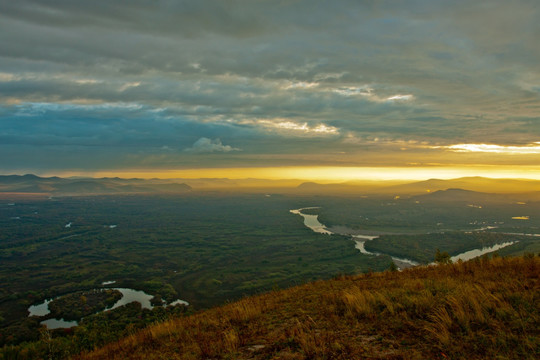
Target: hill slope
(88, 186)
(478, 309)
(480, 184)
(477, 184)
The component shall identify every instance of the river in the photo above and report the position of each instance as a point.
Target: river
(312, 222)
(468, 255)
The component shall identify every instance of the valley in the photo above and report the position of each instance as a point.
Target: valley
(203, 248)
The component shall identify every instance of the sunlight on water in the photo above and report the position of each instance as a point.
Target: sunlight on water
(468, 255)
(128, 296)
(312, 221)
(40, 309)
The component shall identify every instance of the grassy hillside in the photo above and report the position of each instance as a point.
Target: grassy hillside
(474, 310)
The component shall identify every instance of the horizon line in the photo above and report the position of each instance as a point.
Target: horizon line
(308, 173)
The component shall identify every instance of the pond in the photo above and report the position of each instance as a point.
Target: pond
(40, 309)
(128, 296)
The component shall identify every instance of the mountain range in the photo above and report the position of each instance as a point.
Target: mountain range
(29, 183)
(477, 184)
(87, 186)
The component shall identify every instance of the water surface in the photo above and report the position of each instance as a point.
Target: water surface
(468, 255)
(128, 296)
(40, 309)
(179, 302)
(312, 221)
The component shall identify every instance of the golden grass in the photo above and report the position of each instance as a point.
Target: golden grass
(485, 309)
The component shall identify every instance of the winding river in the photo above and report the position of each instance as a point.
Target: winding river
(128, 296)
(312, 222)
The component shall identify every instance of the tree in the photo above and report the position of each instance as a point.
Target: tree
(442, 257)
(392, 267)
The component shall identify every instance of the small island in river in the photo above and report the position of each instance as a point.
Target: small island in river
(76, 305)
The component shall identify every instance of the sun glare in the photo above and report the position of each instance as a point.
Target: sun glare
(330, 174)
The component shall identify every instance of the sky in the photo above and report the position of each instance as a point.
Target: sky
(250, 88)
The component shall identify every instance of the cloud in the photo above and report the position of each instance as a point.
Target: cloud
(533, 148)
(127, 78)
(400, 97)
(318, 129)
(205, 145)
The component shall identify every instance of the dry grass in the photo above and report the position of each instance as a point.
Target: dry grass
(473, 310)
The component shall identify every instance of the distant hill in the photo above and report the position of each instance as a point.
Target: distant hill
(460, 195)
(468, 196)
(87, 186)
(456, 311)
(479, 184)
(171, 188)
(313, 187)
(346, 187)
(54, 185)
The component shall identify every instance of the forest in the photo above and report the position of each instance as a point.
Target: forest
(207, 248)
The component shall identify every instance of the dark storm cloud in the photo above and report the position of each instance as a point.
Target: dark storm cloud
(131, 78)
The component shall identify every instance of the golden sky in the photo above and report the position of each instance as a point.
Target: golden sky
(328, 174)
(407, 90)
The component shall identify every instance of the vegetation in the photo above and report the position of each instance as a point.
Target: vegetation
(82, 303)
(473, 310)
(92, 332)
(442, 257)
(421, 247)
(429, 213)
(206, 249)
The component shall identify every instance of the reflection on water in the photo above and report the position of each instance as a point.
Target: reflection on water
(179, 302)
(400, 262)
(40, 309)
(468, 255)
(360, 247)
(312, 221)
(128, 296)
(360, 243)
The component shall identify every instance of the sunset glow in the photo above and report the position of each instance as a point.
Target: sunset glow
(332, 174)
(253, 89)
(497, 149)
(163, 160)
